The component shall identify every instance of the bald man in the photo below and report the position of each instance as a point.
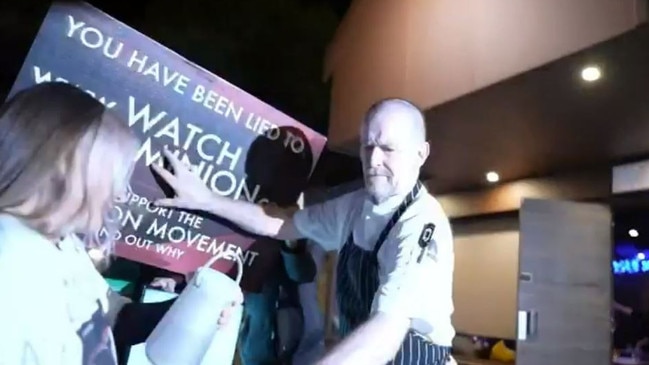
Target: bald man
(394, 243)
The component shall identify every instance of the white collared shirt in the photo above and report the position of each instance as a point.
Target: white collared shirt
(422, 289)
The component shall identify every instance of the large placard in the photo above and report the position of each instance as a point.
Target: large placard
(242, 148)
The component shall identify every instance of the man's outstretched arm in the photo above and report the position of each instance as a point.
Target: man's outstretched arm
(192, 193)
(322, 223)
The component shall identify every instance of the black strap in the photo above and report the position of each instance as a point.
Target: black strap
(395, 217)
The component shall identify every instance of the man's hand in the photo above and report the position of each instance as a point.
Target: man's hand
(191, 192)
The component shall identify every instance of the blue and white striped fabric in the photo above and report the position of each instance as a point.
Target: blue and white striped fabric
(357, 281)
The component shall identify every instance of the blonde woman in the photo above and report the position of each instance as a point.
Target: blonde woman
(64, 159)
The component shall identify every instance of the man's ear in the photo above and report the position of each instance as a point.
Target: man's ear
(424, 152)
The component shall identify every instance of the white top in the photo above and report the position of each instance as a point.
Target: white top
(422, 291)
(54, 303)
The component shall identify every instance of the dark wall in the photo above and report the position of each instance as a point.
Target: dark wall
(633, 291)
(272, 49)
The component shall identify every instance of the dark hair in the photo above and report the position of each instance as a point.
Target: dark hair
(281, 173)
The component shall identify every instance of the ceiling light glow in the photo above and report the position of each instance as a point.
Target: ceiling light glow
(591, 73)
(492, 176)
(634, 233)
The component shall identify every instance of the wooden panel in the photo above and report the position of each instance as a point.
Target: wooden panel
(443, 49)
(565, 250)
(507, 197)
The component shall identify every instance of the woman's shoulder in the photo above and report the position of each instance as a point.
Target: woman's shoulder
(11, 226)
(23, 257)
(14, 234)
(31, 259)
(20, 246)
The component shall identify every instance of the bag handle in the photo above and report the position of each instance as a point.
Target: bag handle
(224, 255)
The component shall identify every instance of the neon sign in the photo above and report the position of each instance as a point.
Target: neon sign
(631, 266)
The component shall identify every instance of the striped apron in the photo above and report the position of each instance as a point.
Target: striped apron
(358, 280)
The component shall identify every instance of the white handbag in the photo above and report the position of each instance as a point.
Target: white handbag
(189, 334)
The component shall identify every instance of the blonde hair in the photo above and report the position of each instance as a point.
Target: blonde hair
(64, 159)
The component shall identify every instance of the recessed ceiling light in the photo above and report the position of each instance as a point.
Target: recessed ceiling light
(591, 73)
(492, 176)
(634, 233)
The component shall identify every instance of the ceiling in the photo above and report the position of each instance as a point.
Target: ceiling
(542, 121)
(546, 120)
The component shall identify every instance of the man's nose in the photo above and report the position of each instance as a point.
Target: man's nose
(375, 156)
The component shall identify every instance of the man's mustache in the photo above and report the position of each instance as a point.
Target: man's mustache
(376, 173)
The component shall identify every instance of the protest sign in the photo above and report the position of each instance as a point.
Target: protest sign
(241, 147)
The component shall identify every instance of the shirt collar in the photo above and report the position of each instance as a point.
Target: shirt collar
(388, 206)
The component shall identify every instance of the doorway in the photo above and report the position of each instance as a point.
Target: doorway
(630, 267)
(564, 294)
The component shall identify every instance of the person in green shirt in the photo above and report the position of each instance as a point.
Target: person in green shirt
(272, 321)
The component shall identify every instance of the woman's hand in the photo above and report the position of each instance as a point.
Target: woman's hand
(226, 314)
(169, 285)
(191, 192)
(165, 284)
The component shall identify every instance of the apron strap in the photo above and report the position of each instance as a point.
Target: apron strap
(395, 217)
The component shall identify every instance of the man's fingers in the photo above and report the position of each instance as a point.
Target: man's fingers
(169, 202)
(173, 160)
(164, 174)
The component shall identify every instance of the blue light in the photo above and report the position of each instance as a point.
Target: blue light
(631, 266)
(640, 256)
